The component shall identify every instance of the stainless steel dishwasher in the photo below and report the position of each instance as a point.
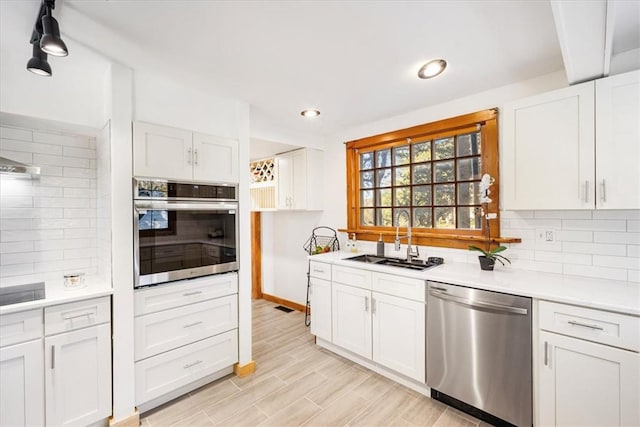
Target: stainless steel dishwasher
(479, 352)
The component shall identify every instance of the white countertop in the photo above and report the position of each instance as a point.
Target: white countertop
(603, 294)
(55, 293)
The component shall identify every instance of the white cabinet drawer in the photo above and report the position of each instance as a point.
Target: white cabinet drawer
(351, 276)
(76, 315)
(20, 327)
(404, 287)
(613, 329)
(159, 332)
(320, 270)
(176, 294)
(168, 371)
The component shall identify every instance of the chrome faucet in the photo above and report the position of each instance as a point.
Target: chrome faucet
(410, 252)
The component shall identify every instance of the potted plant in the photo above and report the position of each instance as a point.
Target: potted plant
(489, 256)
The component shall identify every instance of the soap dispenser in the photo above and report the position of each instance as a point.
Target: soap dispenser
(354, 243)
(380, 247)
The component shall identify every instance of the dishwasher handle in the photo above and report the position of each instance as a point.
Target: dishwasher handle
(480, 304)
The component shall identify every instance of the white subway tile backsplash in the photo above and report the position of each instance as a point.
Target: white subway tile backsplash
(594, 248)
(66, 182)
(26, 257)
(532, 223)
(16, 133)
(613, 237)
(633, 251)
(564, 257)
(19, 156)
(633, 226)
(79, 243)
(30, 147)
(50, 170)
(78, 233)
(45, 159)
(592, 271)
(16, 201)
(63, 223)
(575, 235)
(594, 225)
(516, 214)
(563, 215)
(15, 247)
(15, 224)
(20, 235)
(79, 213)
(79, 172)
(633, 275)
(80, 253)
(16, 270)
(618, 262)
(62, 140)
(84, 153)
(79, 192)
(28, 190)
(16, 213)
(624, 214)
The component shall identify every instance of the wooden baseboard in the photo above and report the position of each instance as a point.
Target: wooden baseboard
(284, 302)
(244, 370)
(130, 421)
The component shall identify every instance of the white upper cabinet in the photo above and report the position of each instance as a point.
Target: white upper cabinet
(574, 148)
(547, 150)
(165, 152)
(299, 180)
(618, 141)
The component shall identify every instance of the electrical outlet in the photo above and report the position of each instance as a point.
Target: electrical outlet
(546, 235)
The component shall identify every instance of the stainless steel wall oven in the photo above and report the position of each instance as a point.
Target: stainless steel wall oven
(183, 230)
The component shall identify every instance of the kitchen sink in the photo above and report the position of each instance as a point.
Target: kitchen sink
(417, 265)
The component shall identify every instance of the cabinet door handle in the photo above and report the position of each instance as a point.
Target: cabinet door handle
(189, 156)
(586, 191)
(188, 294)
(373, 305)
(603, 193)
(189, 365)
(195, 153)
(317, 270)
(584, 325)
(53, 357)
(366, 304)
(88, 314)
(192, 324)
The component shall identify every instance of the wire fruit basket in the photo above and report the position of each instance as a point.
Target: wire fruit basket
(322, 240)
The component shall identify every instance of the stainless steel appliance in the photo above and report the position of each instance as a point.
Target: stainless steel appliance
(479, 352)
(183, 230)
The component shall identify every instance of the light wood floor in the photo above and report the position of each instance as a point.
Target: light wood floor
(297, 383)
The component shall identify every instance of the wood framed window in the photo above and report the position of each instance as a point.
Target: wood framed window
(426, 177)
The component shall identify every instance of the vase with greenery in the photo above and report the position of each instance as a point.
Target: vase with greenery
(489, 256)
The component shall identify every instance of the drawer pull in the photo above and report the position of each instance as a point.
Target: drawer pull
(318, 270)
(192, 324)
(88, 314)
(53, 357)
(188, 294)
(546, 353)
(366, 304)
(189, 365)
(584, 325)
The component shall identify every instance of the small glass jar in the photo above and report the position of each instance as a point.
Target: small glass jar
(74, 281)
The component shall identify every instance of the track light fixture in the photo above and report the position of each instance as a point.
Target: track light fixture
(45, 39)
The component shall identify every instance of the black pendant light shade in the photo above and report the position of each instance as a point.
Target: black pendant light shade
(38, 63)
(50, 42)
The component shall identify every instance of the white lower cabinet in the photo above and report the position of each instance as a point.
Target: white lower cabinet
(168, 371)
(78, 376)
(587, 384)
(320, 296)
(385, 328)
(22, 385)
(351, 322)
(399, 334)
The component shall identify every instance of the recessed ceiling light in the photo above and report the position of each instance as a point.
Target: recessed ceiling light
(432, 68)
(310, 113)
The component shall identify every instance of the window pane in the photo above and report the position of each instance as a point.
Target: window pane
(445, 194)
(469, 169)
(383, 158)
(384, 197)
(445, 217)
(422, 173)
(469, 217)
(383, 178)
(443, 171)
(468, 193)
(401, 217)
(383, 217)
(443, 148)
(469, 144)
(366, 217)
(422, 196)
(421, 152)
(402, 196)
(366, 198)
(401, 155)
(422, 217)
(366, 161)
(366, 179)
(402, 176)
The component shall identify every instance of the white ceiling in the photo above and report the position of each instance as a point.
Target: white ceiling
(355, 61)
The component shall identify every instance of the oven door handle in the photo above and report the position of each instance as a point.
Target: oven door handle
(181, 206)
(480, 304)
